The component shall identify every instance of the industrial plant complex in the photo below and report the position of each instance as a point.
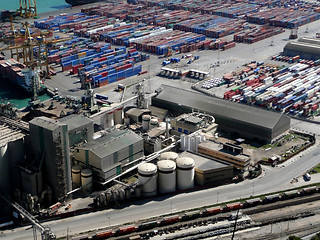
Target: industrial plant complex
(163, 116)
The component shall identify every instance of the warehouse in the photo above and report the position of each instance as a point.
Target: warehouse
(248, 122)
(111, 154)
(306, 48)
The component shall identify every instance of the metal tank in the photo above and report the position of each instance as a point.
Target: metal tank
(145, 122)
(110, 121)
(118, 116)
(86, 179)
(4, 168)
(153, 123)
(166, 176)
(169, 156)
(185, 173)
(147, 178)
(76, 175)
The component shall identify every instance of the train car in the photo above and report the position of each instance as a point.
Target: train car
(148, 225)
(103, 235)
(212, 211)
(170, 220)
(191, 215)
(271, 198)
(309, 190)
(233, 206)
(252, 202)
(290, 194)
(126, 230)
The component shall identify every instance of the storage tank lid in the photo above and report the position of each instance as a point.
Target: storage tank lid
(146, 117)
(166, 165)
(76, 168)
(86, 172)
(147, 168)
(185, 162)
(154, 121)
(169, 156)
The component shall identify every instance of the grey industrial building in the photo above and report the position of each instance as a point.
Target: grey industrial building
(50, 142)
(247, 121)
(306, 48)
(111, 154)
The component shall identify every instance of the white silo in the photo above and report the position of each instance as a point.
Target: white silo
(166, 176)
(185, 173)
(110, 121)
(145, 122)
(118, 116)
(147, 178)
(86, 179)
(169, 156)
(153, 123)
(76, 175)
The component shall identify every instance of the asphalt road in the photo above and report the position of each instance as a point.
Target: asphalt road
(272, 179)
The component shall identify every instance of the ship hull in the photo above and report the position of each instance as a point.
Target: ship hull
(81, 2)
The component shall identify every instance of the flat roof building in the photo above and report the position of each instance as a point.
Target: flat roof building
(248, 122)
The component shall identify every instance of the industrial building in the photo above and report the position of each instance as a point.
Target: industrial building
(209, 171)
(189, 123)
(50, 143)
(228, 153)
(306, 48)
(110, 155)
(248, 122)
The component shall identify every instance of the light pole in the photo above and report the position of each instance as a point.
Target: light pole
(252, 188)
(108, 219)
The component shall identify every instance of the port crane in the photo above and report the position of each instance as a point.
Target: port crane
(28, 8)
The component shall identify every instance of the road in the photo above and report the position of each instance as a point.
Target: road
(272, 179)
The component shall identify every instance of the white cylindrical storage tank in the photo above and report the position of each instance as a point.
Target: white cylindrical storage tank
(153, 123)
(166, 176)
(169, 156)
(185, 173)
(110, 121)
(86, 179)
(145, 122)
(118, 116)
(76, 175)
(147, 178)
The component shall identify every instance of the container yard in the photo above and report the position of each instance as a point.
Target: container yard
(293, 89)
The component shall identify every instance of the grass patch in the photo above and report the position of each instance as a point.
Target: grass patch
(316, 169)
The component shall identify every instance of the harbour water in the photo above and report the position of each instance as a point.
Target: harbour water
(9, 92)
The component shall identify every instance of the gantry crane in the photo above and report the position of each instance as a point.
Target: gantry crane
(28, 8)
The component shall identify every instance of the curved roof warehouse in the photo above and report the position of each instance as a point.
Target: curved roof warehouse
(253, 123)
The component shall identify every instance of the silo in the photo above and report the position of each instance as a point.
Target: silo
(86, 179)
(153, 123)
(169, 156)
(110, 121)
(167, 176)
(117, 115)
(147, 178)
(185, 173)
(76, 175)
(4, 168)
(145, 122)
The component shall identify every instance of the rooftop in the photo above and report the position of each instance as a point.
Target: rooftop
(202, 163)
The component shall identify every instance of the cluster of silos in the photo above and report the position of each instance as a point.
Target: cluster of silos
(115, 117)
(170, 174)
(190, 143)
(82, 177)
(149, 122)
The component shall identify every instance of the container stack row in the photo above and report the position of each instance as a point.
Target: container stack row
(283, 17)
(255, 34)
(293, 90)
(170, 40)
(211, 26)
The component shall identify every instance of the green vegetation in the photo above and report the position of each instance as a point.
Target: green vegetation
(294, 238)
(316, 237)
(316, 169)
